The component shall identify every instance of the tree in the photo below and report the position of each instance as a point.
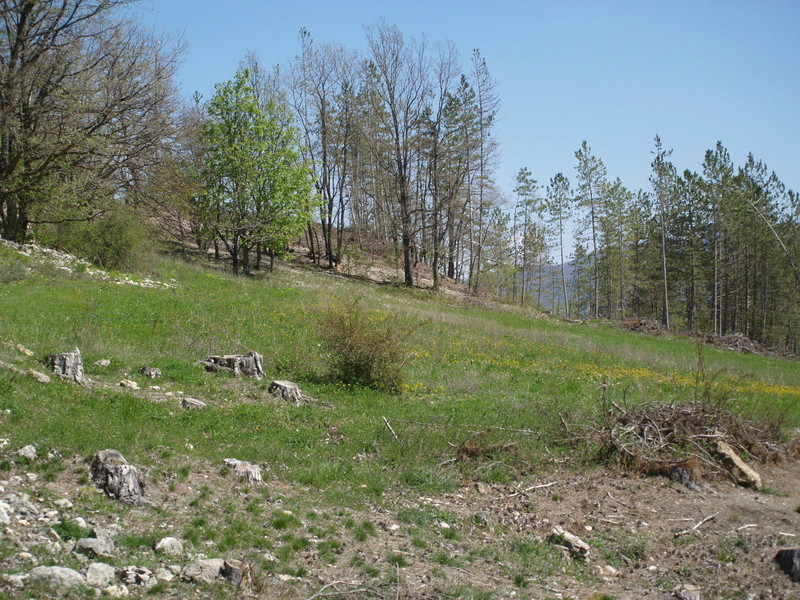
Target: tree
(442, 160)
(528, 238)
(86, 101)
(663, 181)
(486, 106)
(257, 188)
(590, 185)
(399, 79)
(559, 206)
(323, 87)
(617, 242)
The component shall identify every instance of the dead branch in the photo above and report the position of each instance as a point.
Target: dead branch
(695, 527)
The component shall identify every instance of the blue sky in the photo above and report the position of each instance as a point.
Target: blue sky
(613, 73)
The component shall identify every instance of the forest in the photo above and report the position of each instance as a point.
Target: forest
(389, 152)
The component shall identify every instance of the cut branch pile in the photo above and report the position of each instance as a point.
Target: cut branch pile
(643, 325)
(679, 441)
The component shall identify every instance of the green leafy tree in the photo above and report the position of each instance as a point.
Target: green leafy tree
(258, 190)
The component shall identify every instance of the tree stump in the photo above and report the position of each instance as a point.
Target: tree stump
(250, 472)
(117, 478)
(250, 364)
(150, 372)
(68, 365)
(285, 390)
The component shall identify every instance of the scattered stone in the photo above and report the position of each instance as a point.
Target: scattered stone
(206, 570)
(31, 477)
(133, 575)
(163, 574)
(250, 364)
(742, 473)
(68, 365)
(129, 384)
(169, 546)
(607, 571)
(241, 468)
(23, 350)
(81, 522)
(41, 377)
(192, 403)
(4, 518)
(687, 591)
(28, 452)
(94, 547)
(27, 556)
(150, 372)
(116, 591)
(235, 571)
(285, 390)
(58, 578)
(100, 575)
(15, 581)
(53, 536)
(576, 547)
(482, 488)
(63, 503)
(21, 504)
(789, 561)
(103, 362)
(38, 376)
(116, 477)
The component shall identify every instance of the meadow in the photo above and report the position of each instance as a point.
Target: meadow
(472, 375)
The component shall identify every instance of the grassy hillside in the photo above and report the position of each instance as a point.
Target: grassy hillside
(484, 396)
(471, 374)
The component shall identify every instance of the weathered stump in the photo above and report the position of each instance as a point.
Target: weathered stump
(68, 365)
(250, 364)
(250, 472)
(789, 561)
(150, 372)
(285, 390)
(117, 478)
(237, 572)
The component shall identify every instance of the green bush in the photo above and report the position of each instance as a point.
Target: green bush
(12, 272)
(364, 347)
(121, 239)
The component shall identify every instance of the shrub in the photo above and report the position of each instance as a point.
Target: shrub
(12, 272)
(364, 347)
(121, 239)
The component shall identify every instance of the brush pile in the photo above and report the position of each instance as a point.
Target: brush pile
(643, 325)
(681, 441)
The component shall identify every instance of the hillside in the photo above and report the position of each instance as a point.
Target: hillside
(447, 489)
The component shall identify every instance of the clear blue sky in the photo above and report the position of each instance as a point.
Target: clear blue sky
(614, 73)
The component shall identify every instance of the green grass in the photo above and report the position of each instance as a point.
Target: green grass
(471, 375)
